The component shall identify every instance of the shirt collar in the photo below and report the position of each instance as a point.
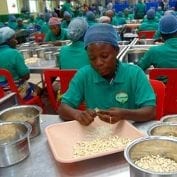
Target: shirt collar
(119, 78)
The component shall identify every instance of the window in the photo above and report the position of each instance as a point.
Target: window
(12, 6)
(32, 5)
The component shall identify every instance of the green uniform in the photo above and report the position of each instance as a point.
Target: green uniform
(120, 20)
(91, 22)
(12, 25)
(45, 28)
(12, 60)
(67, 7)
(73, 56)
(129, 89)
(114, 21)
(64, 24)
(139, 10)
(52, 37)
(149, 25)
(162, 56)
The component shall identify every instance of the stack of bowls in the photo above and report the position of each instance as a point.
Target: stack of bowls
(23, 113)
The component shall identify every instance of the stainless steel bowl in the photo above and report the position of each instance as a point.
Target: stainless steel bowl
(14, 142)
(170, 118)
(123, 42)
(163, 129)
(133, 55)
(152, 145)
(145, 41)
(27, 53)
(25, 113)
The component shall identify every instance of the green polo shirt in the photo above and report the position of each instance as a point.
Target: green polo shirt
(162, 56)
(148, 25)
(52, 37)
(12, 60)
(73, 56)
(130, 89)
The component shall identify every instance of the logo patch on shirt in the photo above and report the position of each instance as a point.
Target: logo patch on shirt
(122, 97)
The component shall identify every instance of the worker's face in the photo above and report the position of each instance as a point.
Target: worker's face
(103, 58)
(12, 42)
(55, 29)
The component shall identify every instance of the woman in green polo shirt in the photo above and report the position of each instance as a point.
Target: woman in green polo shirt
(55, 33)
(116, 90)
(165, 55)
(13, 61)
(74, 56)
(150, 23)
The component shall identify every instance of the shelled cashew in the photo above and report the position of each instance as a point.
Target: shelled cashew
(157, 163)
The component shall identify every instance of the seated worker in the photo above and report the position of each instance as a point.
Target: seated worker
(55, 33)
(20, 25)
(90, 17)
(119, 90)
(12, 22)
(13, 61)
(150, 24)
(120, 18)
(66, 19)
(104, 19)
(111, 15)
(74, 56)
(165, 55)
(139, 10)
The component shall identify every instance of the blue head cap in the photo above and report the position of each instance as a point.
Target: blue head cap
(150, 14)
(120, 14)
(90, 15)
(168, 24)
(101, 33)
(77, 29)
(12, 18)
(67, 14)
(5, 34)
(170, 12)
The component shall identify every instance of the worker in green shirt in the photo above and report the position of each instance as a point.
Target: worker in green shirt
(150, 24)
(12, 23)
(67, 6)
(55, 33)
(74, 56)
(139, 10)
(110, 89)
(13, 61)
(66, 19)
(165, 55)
(112, 16)
(90, 17)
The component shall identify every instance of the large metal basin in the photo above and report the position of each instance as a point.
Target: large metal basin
(14, 142)
(133, 55)
(163, 129)
(25, 113)
(145, 41)
(147, 146)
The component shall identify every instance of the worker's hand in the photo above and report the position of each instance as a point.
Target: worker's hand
(85, 117)
(111, 115)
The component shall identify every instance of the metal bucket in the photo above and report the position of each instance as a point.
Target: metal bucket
(24, 113)
(148, 146)
(14, 142)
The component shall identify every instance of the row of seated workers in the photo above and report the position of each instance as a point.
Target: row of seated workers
(109, 88)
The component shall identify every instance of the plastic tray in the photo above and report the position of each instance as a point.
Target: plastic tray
(63, 136)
